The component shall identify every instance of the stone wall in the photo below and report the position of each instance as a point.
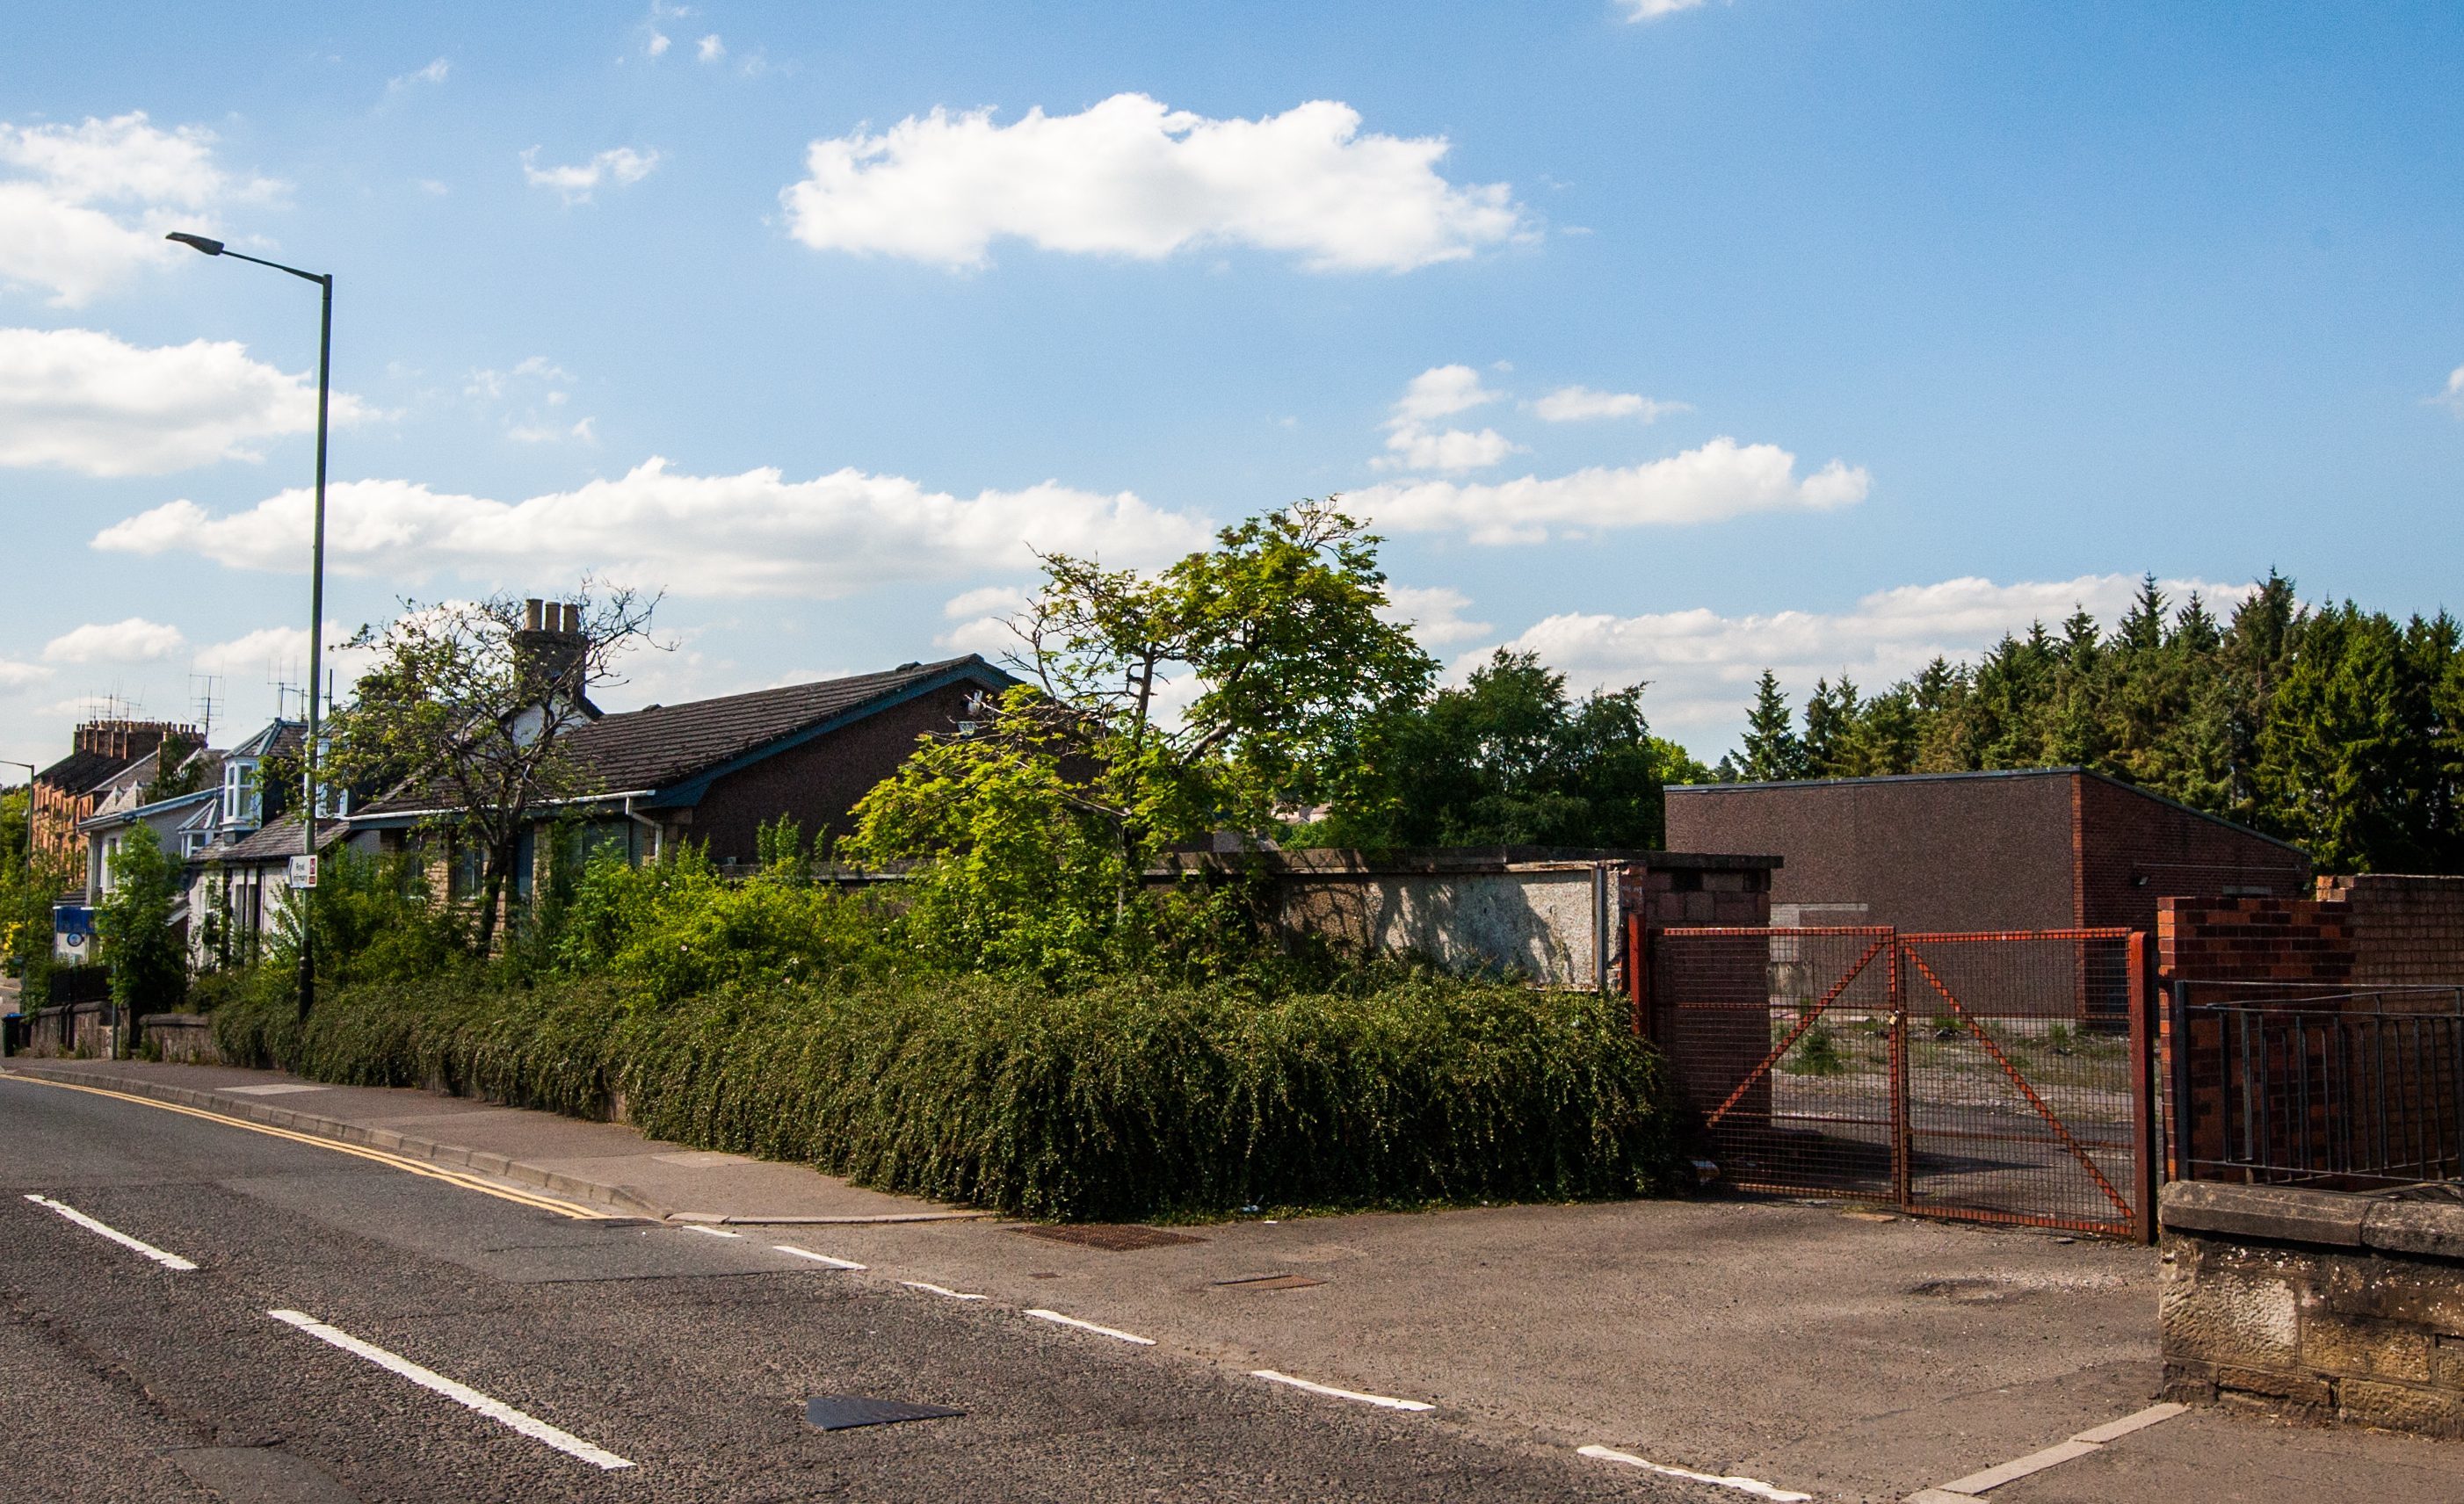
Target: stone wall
(2317, 1304)
(187, 1039)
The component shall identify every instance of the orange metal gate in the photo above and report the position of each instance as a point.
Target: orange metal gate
(2000, 1077)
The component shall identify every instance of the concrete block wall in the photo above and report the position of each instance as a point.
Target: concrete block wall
(2319, 1305)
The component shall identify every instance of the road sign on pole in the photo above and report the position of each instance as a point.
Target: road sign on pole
(303, 872)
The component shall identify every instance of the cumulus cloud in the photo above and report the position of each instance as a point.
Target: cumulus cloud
(1722, 479)
(133, 641)
(1654, 9)
(1438, 392)
(1576, 403)
(757, 533)
(81, 400)
(1435, 614)
(14, 675)
(87, 205)
(1129, 177)
(710, 49)
(620, 166)
(1701, 665)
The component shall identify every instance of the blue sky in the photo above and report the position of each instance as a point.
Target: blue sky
(1820, 336)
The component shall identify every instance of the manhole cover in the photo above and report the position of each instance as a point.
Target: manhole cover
(1270, 1282)
(1110, 1237)
(839, 1413)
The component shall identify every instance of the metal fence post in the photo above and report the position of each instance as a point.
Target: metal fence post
(2143, 1094)
(1902, 1151)
(1637, 965)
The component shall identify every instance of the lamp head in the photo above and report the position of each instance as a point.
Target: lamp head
(211, 248)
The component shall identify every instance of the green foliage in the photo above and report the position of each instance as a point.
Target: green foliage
(26, 897)
(148, 962)
(673, 929)
(1127, 1099)
(371, 917)
(1508, 759)
(2340, 729)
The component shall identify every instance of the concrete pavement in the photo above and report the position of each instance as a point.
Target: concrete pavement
(1817, 1349)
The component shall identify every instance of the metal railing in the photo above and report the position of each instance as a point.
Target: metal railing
(2298, 1085)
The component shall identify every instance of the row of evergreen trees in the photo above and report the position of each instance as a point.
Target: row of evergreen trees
(2338, 729)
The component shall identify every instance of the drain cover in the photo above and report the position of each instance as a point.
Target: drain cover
(1110, 1237)
(839, 1413)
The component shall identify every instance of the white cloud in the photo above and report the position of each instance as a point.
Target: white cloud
(1721, 479)
(981, 618)
(1435, 614)
(710, 49)
(1703, 665)
(2452, 397)
(1412, 447)
(16, 675)
(1127, 177)
(1441, 392)
(657, 46)
(755, 534)
(1576, 403)
(1438, 392)
(134, 641)
(81, 400)
(86, 205)
(620, 165)
(1654, 9)
(433, 72)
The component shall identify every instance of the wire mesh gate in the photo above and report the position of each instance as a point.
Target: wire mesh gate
(2000, 1077)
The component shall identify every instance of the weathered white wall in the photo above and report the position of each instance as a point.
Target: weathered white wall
(1542, 923)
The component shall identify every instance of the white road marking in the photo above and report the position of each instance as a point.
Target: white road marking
(1090, 1326)
(494, 1409)
(1753, 1485)
(918, 1284)
(1383, 1402)
(166, 1260)
(817, 1258)
(276, 1089)
(695, 1227)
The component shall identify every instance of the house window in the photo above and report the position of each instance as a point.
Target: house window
(242, 804)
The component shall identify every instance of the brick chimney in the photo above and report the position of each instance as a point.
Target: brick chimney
(128, 740)
(550, 647)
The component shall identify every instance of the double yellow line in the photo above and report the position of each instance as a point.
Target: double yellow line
(563, 1208)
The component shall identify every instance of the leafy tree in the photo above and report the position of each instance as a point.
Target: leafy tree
(147, 960)
(1035, 825)
(26, 897)
(457, 710)
(1508, 759)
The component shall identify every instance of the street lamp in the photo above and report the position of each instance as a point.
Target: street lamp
(316, 587)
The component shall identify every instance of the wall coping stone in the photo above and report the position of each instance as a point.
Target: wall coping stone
(2381, 1220)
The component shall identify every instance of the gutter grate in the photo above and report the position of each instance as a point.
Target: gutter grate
(839, 1413)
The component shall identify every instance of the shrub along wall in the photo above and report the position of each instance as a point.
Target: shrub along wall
(1130, 1100)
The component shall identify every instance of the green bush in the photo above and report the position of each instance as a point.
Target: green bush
(1130, 1099)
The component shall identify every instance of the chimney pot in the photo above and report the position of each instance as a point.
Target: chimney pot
(572, 618)
(531, 614)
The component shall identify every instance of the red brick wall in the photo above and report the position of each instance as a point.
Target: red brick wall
(2405, 929)
(2134, 851)
(2253, 940)
(818, 782)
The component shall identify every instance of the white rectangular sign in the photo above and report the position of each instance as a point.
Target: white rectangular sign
(303, 872)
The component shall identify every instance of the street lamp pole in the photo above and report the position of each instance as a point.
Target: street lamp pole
(315, 591)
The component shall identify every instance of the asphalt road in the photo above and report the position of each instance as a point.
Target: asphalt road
(687, 1354)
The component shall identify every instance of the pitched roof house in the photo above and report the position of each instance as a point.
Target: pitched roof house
(714, 772)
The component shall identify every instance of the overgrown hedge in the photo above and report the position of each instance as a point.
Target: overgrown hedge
(1130, 1100)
